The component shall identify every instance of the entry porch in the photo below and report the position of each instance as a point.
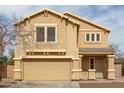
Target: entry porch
(97, 63)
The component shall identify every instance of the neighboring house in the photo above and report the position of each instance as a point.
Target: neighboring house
(54, 46)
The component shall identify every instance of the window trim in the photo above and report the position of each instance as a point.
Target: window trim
(45, 36)
(86, 37)
(36, 34)
(90, 62)
(55, 34)
(95, 37)
(99, 37)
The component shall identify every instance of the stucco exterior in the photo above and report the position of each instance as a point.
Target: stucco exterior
(102, 44)
(62, 59)
(88, 27)
(100, 65)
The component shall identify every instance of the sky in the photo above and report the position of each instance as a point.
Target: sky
(109, 16)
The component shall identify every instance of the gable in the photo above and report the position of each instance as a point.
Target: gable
(46, 13)
(84, 23)
(50, 19)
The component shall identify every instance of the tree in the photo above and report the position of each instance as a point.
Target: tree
(7, 36)
(118, 52)
(4, 60)
(7, 32)
(10, 57)
(25, 37)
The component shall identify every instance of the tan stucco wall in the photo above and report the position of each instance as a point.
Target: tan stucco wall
(66, 40)
(111, 70)
(102, 44)
(66, 35)
(17, 69)
(83, 24)
(90, 28)
(71, 40)
(76, 69)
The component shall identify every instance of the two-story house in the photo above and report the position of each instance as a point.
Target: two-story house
(54, 46)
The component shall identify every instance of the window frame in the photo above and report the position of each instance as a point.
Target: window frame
(99, 37)
(86, 37)
(93, 37)
(55, 35)
(90, 63)
(90, 37)
(36, 35)
(45, 32)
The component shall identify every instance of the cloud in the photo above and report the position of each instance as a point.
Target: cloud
(9, 9)
(110, 16)
(113, 19)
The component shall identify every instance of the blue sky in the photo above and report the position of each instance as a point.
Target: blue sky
(109, 16)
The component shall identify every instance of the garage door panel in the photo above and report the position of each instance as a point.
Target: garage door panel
(47, 70)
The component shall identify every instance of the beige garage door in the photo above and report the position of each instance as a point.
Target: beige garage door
(47, 70)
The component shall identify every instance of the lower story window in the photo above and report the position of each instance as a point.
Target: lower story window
(92, 63)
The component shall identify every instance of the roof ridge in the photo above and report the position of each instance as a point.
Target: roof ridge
(86, 20)
(52, 11)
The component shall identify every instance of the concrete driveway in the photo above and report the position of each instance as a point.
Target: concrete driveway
(118, 82)
(45, 84)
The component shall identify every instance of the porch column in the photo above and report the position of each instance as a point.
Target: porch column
(76, 69)
(111, 70)
(17, 69)
(81, 66)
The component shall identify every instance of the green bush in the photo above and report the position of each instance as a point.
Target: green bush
(3, 60)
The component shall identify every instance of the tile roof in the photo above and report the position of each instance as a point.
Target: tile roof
(96, 50)
(86, 20)
(49, 10)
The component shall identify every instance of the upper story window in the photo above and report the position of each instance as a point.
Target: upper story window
(92, 37)
(46, 33)
(87, 37)
(40, 32)
(97, 37)
(50, 33)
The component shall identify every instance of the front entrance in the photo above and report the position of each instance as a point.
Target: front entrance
(101, 68)
(94, 67)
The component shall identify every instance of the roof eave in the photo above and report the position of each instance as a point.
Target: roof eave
(86, 20)
(45, 9)
(95, 53)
